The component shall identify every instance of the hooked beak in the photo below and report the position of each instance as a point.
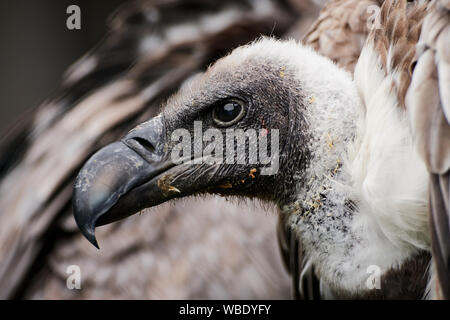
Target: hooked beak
(121, 179)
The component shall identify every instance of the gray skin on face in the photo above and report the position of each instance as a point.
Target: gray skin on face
(266, 89)
(136, 173)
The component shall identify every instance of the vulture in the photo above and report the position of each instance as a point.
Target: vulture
(208, 248)
(358, 162)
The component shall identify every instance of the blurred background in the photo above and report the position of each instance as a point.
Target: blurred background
(37, 48)
(53, 117)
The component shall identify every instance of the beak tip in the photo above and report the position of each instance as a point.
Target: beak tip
(88, 231)
(96, 245)
(93, 241)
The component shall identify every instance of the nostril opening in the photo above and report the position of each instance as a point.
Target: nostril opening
(146, 144)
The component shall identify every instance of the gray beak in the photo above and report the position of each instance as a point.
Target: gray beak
(124, 171)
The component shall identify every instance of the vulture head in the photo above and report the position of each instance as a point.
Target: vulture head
(239, 129)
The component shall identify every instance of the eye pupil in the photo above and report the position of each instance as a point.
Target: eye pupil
(228, 113)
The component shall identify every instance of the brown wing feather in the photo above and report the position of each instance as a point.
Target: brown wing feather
(428, 102)
(395, 40)
(341, 30)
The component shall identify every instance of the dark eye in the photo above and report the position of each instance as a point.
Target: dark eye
(228, 112)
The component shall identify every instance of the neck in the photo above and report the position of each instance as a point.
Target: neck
(340, 241)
